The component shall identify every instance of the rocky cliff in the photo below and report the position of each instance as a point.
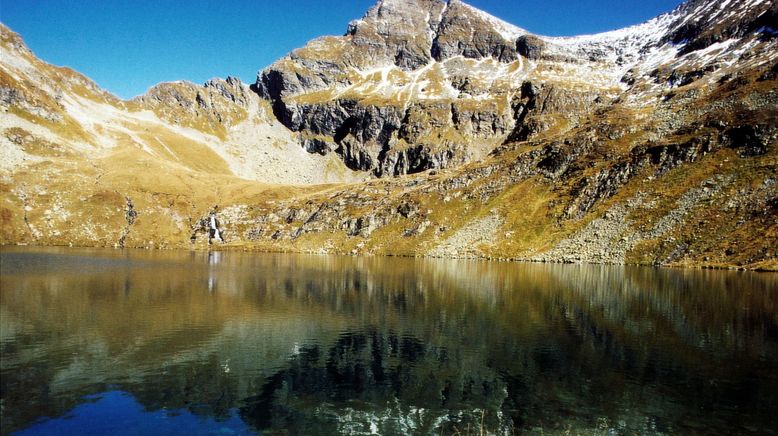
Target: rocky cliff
(654, 144)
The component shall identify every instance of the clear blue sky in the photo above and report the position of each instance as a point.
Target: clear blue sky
(128, 46)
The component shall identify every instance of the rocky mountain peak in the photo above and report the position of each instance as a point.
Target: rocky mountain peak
(398, 31)
(407, 34)
(392, 10)
(418, 31)
(213, 107)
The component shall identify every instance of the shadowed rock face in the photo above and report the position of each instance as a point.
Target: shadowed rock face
(529, 46)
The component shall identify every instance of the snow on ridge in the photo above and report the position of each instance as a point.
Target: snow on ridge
(650, 31)
(642, 41)
(508, 31)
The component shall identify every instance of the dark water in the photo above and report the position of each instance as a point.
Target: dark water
(134, 342)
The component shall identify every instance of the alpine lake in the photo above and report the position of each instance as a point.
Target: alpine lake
(176, 342)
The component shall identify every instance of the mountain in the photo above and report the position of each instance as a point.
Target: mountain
(422, 84)
(443, 131)
(221, 127)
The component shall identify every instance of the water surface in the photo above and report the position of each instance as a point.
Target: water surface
(137, 342)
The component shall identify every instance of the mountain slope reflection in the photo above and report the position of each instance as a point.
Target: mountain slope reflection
(306, 343)
(399, 384)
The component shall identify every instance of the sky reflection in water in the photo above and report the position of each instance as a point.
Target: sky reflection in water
(118, 413)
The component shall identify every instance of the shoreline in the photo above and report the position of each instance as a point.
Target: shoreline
(761, 267)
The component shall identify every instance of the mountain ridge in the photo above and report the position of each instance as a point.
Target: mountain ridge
(471, 139)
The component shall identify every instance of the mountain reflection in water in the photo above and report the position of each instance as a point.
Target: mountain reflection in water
(326, 344)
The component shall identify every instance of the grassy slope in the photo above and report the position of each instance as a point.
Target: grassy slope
(68, 201)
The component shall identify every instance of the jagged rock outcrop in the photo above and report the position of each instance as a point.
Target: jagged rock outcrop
(212, 107)
(538, 107)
